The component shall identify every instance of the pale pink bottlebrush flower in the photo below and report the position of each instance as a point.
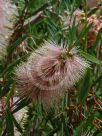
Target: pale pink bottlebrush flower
(96, 26)
(96, 23)
(7, 10)
(80, 19)
(49, 72)
(67, 18)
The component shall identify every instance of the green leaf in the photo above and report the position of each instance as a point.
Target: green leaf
(96, 81)
(18, 42)
(78, 130)
(100, 134)
(17, 125)
(84, 125)
(98, 39)
(92, 11)
(13, 64)
(9, 122)
(5, 89)
(21, 105)
(90, 57)
(82, 34)
(85, 87)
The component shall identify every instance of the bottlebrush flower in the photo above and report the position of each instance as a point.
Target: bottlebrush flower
(6, 16)
(49, 72)
(67, 18)
(96, 25)
(80, 20)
